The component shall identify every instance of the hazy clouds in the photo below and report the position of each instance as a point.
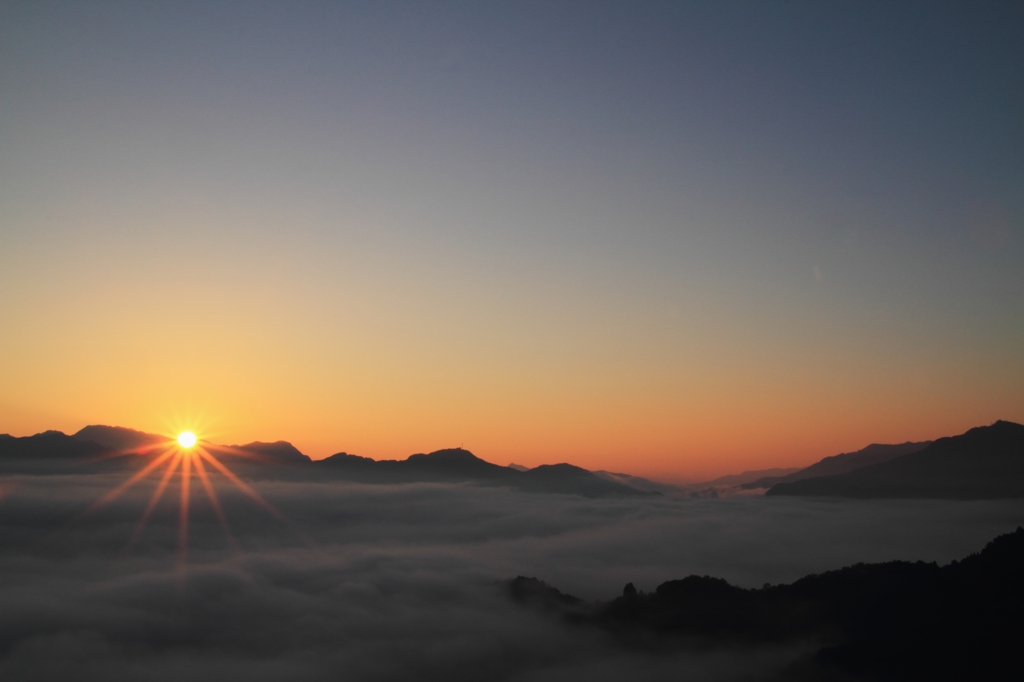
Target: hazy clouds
(390, 582)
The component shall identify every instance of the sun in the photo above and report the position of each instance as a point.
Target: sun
(184, 455)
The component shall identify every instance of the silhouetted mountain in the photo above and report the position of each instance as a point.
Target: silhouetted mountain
(278, 452)
(897, 620)
(453, 465)
(120, 438)
(986, 462)
(50, 445)
(643, 484)
(454, 462)
(539, 593)
(50, 450)
(559, 478)
(457, 465)
(732, 484)
(748, 476)
(442, 465)
(840, 464)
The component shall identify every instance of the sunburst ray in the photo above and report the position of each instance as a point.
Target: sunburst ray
(180, 456)
(142, 450)
(237, 481)
(138, 476)
(212, 495)
(186, 481)
(155, 498)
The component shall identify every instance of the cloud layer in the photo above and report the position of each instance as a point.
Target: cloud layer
(392, 582)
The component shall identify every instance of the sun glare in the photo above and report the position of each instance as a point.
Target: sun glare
(188, 458)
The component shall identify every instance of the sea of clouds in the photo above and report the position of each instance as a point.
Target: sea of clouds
(376, 582)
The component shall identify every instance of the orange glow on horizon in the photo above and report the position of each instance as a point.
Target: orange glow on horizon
(676, 400)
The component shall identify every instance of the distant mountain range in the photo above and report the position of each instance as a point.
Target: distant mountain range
(279, 452)
(839, 464)
(463, 466)
(120, 438)
(96, 448)
(50, 447)
(746, 478)
(891, 621)
(723, 485)
(644, 484)
(985, 462)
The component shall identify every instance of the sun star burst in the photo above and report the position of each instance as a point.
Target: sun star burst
(185, 456)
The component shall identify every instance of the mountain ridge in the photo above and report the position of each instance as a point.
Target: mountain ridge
(844, 462)
(281, 452)
(119, 437)
(915, 468)
(93, 444)
(457, 464)
(985, 462)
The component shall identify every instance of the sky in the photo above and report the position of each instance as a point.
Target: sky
(668, 239)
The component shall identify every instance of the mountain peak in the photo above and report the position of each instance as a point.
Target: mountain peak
(1003, 424)
(281, 451)
(986, 462)
(119, 437)
(448, 456)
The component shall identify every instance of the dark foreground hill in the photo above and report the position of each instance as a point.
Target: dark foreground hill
(985, 463)
(897, 620)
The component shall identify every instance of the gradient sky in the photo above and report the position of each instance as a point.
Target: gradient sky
(675, 240)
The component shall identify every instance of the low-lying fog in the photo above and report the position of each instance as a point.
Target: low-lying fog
(393, 582)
